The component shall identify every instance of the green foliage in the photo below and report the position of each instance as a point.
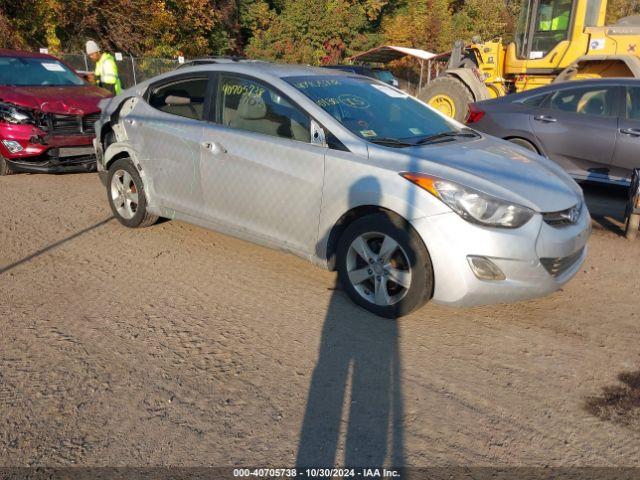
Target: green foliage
(305, 31)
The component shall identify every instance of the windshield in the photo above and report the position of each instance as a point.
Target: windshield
(28, 71)
(384, 75)
(372, 110)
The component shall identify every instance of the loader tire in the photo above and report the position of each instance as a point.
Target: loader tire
(449, 96)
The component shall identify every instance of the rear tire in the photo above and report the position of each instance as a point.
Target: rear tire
(5, 169)
(126, 195)
(633, 223)
(395, 252)
(449, 96)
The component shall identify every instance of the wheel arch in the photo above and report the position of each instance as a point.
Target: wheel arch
(526, 139)
(347, 219)
(119, 150)
(603, 66)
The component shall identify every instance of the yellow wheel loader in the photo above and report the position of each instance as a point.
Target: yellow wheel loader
(555, 40)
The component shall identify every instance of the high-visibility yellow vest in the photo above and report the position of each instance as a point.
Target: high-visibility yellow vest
(107, 72)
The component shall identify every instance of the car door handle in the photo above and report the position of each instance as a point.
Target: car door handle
(634, 132)
(545, 119)
(213, 147)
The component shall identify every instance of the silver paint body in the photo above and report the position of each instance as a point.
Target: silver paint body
(289, 194)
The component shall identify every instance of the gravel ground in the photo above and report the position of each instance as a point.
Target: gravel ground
(174, 345)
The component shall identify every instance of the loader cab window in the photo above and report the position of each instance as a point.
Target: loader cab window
(543, 25)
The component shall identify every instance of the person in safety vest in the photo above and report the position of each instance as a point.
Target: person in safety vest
(555, 19)
(106, 73)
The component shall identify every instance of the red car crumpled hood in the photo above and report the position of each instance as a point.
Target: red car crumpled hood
(67, 100)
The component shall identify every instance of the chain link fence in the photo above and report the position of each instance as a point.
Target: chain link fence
(131, 70)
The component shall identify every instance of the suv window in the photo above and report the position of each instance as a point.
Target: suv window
(249, 105)
(600, 101)
(633, 103)
(184, 98)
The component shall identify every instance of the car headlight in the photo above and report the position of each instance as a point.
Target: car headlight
(472, 205)
(14, 114)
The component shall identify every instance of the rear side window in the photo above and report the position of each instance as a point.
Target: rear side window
(252, 106)
(633, 103)
(184, 98)
(534, 101)
(599, 101)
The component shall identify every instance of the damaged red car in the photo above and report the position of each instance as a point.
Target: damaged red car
(46, 115)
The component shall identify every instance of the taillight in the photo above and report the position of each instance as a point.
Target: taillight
(475, 114)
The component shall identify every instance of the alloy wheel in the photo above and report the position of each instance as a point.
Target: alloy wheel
(378, 268)
(124, 194)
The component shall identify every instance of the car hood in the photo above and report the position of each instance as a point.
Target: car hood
(492, 166)
(69, 100)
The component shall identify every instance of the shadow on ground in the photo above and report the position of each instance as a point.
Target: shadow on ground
(355, 392)
(606, 204)
(619, 403)
(54, 245)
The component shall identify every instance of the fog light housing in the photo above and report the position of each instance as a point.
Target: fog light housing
(12, 146)
(485, 269)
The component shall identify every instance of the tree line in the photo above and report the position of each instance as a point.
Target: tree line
(300, 31)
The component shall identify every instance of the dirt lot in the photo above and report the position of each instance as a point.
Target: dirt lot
(174, 345)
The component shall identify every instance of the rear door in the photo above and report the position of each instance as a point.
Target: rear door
(576, 127)
(627, 153)
(170, 126)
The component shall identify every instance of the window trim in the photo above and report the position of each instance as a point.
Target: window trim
(184, 77)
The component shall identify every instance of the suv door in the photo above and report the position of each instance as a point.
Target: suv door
(170, 128)
(261, 174)
(626, 156)
(576, 127)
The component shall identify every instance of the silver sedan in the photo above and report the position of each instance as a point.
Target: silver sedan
(350, 173)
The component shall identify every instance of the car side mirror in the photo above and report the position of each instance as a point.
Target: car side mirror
(318, 136)
(177, 100)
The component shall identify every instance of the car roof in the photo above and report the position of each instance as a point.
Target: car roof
(280, 70)
(594, 82)
(4, 52)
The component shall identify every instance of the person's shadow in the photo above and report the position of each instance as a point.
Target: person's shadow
(355, 396)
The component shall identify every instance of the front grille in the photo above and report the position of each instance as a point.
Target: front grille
(88, 121)
(564, 217)
(557, 266)
(71, 124)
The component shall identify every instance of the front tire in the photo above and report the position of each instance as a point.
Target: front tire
(5, 169)
(384, 266)
(126, 195)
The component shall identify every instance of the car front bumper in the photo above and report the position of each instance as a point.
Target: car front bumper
(39, 152)
(536, 259)
(57, 160)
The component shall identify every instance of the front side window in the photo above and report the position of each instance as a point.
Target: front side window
(31, 72)
(633, 103)
(373, 111)
(184, 98)
(252, 106)
(598, 101)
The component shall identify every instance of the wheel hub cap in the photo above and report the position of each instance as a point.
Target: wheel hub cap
(378, 269)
